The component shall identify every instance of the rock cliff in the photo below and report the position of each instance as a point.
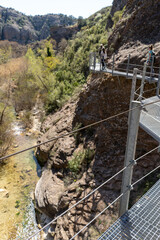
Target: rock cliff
(139, 25)
(60, 185)
(60, 32)
(15, 26)
(118, 5)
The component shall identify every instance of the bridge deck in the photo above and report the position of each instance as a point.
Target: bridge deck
(150, 118)
(124, 74)
(142, 221)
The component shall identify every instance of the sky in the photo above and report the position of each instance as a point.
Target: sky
(77, 8)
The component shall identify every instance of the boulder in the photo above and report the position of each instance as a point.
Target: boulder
(48, 192)
(11, 33)
(4, 193)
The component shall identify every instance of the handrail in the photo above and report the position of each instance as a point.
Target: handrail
(129, 62)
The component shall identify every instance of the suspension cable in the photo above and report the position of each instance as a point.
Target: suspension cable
(147, 153)
(145, 176)
(67, 134)
(139, 87)
(75, 131)
(149, 90)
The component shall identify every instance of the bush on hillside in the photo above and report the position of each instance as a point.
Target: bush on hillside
(6, 136)
(118, 16)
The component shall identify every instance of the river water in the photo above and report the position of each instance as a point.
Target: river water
(18, 178)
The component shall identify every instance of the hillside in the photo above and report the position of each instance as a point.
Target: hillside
(136, 27)
(16, 26)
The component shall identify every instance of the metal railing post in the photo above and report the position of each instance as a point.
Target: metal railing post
(159, 148)
(130, 156)
(113, 63)
(90, 61)
(94, 63)
(134, 81)
(158, 85)
(128, 66)
(142, 82)
(100, 62)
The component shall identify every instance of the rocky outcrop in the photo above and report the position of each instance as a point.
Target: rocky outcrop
(15, 26)
(60, 32)
(118, 5)
(48, 191)
(103, 96)
(59, 152)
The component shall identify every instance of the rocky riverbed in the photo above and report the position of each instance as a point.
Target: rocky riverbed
(18, 177)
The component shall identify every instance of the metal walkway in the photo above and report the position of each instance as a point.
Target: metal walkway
(141, 222)
(150, 118)
(121, 73)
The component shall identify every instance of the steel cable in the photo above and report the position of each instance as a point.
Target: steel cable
(145, 176)
(75, 131)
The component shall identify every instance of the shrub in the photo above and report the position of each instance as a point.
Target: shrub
(6, 136)
(118, 16)
(76, 162)
(80, 160)
(27, 120)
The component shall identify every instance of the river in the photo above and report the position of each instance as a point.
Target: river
(18, 177)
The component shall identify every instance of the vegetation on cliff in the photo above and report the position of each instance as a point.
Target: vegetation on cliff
(9, 68)
(74, 68)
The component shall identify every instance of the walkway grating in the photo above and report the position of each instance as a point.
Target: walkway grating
(141, 222)
(150, 118)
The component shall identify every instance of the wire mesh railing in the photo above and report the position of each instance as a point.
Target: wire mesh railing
(119, 197)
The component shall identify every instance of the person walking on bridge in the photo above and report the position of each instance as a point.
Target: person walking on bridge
(102, 54)
(150, 55)
(151, 59)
